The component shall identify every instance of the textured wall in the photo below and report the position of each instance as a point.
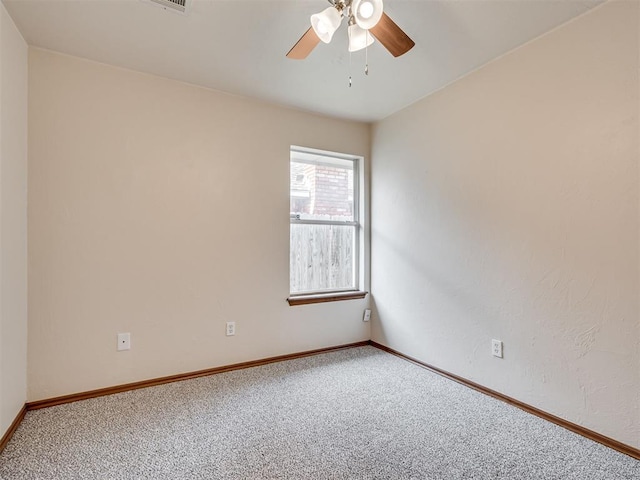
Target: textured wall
(13, 220)
(162, 209)
(506, 206)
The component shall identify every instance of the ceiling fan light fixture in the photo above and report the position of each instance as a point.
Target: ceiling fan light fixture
(366, 10)
(367, 13)
(326, 23)
(359, 38)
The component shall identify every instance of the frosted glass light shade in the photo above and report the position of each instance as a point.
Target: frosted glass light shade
(367, 13)
(358, 38)
(326, 23)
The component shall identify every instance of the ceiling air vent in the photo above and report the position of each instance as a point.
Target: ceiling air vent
(180, 6)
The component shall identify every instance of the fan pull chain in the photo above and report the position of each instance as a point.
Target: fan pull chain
(349, 69)
(366, 53)
(349, 34)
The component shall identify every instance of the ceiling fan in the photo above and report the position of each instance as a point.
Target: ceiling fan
(366, 20)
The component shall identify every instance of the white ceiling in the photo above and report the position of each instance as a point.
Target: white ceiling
(239, 46)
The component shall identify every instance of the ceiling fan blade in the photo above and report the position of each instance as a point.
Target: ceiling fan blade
(303, 47)
(392, 37)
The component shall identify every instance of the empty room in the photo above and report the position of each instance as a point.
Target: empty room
(311, 239)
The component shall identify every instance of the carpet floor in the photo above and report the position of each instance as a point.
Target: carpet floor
(352, 414)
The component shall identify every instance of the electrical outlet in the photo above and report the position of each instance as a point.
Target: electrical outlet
(124, 341)
(496, 348)
(367, 315)
(231, 329)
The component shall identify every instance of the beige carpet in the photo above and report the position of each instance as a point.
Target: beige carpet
(352, 414)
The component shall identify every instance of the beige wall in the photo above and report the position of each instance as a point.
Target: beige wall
(506, 206)
(13, 220)
(161, 209)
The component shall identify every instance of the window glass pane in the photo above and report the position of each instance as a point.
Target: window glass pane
(321, 257)
(321, 187)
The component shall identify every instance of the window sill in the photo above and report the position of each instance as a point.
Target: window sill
(325, 297)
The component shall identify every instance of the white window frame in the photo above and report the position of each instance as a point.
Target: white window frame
(355, 223)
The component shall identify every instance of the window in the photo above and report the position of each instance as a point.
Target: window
(325, 228)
